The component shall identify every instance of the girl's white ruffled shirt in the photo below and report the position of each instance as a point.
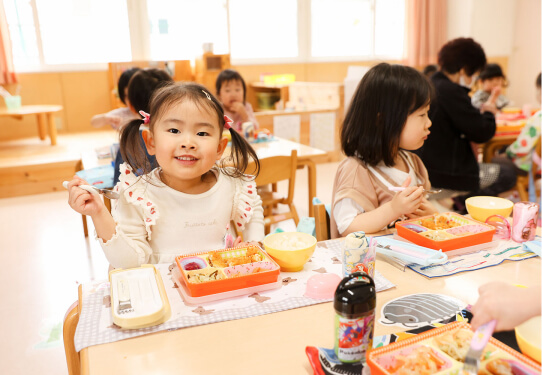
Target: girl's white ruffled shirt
(156, 223)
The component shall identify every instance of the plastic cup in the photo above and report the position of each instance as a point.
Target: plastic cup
(13, 102)
(525, 216)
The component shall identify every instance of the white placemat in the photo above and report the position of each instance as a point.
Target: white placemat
(96, 325)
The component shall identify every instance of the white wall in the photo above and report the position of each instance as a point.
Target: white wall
(509, 28)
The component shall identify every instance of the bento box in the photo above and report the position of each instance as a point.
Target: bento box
(442, 351)
(445, 231)
(225, 270)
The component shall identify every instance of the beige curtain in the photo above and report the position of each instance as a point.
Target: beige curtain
(425, 31)
(7, 70)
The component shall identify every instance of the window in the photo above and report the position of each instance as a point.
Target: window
(66, 33)
(179, 28)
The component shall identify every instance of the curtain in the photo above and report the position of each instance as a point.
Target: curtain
(7, 70)
(425, 31)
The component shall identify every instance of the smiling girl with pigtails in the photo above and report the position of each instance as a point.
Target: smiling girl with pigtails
(187, 203)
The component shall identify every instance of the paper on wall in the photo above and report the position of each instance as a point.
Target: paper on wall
(323, 131)
(287, 127)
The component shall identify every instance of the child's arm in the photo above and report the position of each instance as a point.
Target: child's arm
(105, 119)
(91, 204)
(500, 301)
(404, 202)
(239, 109)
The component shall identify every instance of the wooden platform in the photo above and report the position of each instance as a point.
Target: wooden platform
(31, 166)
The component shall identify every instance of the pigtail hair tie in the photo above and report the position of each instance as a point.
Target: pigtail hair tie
(146, 117)
(228, 121)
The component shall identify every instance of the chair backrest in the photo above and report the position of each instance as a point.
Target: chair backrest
(321, 222)
(278, 168)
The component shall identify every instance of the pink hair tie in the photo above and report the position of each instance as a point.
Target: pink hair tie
(146, 117)
(228, 122)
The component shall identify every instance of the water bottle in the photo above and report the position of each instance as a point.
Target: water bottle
(354, 303)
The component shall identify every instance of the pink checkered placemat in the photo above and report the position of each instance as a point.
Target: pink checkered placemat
(96, 324)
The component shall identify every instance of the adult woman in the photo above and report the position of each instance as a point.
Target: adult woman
(447, 153)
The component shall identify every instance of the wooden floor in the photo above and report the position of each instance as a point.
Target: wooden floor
(45, 257)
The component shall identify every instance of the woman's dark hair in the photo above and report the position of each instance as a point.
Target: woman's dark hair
(385, 97)
(143, 84)
(168, 96)
(228, 75)
(123, 81)
(462, 53)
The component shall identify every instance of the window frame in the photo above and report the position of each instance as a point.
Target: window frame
(140, 42)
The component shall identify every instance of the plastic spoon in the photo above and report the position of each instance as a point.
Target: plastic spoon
(94, 190)
(430, 191)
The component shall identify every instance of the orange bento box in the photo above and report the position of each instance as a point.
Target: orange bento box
(440, 351)
(446, 231)
(224, 270)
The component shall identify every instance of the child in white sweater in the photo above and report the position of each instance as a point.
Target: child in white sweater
(187, 203)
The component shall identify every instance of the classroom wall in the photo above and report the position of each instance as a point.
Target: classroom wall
(510, 28)
(509, 31)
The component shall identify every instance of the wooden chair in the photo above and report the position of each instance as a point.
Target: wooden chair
(522, 182)
(273, 170)
(321, 221)
(68, 332)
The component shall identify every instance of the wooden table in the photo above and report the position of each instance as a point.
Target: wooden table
(275, 343)
(43, 113)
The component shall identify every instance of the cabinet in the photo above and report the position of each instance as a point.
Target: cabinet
(208, 67)
(263, 96)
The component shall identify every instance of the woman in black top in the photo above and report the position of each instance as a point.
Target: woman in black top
(447, 153)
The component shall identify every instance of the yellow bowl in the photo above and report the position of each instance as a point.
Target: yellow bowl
(291, 250)
(528, 336)
(480, 208)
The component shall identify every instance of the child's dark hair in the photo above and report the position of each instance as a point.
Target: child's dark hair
(385, 97)
(123, 81)
(228, 75)
(462, 53)
(491, 71)
(143, 84)
(163, 99)
(538, 80)
(429, 70)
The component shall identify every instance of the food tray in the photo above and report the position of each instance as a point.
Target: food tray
(225, 270)
(458, 231)
(438, 343)
(189, 300)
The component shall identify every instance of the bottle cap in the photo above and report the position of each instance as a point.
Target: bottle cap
(355, 294)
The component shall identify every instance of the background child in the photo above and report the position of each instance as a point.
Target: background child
(492, 81)
(429, 70)
(139, 91)
(186, 204)
(231, 90)
(387, 116)
(119, 116)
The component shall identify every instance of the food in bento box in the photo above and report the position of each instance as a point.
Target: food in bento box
(438, 222)
(499, 367)
(436, 236)
(456, 344)
(421, 361)
(192, 266)
(209, 274)
(216, 259)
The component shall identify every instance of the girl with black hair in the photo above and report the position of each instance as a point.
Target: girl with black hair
(187, 203)
(386, 119)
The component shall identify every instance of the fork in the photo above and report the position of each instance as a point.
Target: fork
(125, 302)
(477, 345)
(430, 191)
(94, 190)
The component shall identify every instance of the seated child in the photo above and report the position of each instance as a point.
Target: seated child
(231, 90)
(187, 203)
(387, 118)
(492, 80)
(139, 91)
(119, 116)
(521, 151)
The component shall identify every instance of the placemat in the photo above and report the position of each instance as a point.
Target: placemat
(96, 325)
(505, 250)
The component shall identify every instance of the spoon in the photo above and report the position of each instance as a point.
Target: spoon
(430, 191)
(94, 190)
